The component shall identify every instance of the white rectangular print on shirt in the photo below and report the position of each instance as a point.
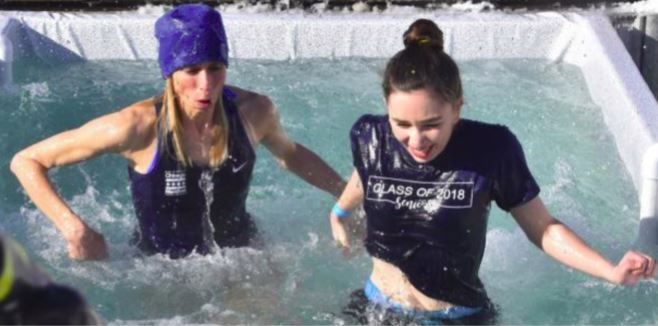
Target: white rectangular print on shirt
(412, 194)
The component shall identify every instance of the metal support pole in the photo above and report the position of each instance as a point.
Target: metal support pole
(649, 63)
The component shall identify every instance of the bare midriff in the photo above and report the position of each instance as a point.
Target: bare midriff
(392, 283)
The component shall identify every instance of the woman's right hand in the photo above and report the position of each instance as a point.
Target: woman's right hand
(341, 228)
(84, 243)
(340, 233)
(127, 132)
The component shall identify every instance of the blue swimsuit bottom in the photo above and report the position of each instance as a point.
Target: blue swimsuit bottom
(375, 296)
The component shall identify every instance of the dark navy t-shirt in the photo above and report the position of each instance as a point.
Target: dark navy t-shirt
(192, 209)
(430, 219)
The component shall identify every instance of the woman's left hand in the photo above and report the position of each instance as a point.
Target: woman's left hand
(632, 268)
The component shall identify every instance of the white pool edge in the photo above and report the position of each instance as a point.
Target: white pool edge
(586, 40)
(629, 109)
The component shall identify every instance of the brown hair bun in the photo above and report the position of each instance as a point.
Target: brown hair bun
(423, 32)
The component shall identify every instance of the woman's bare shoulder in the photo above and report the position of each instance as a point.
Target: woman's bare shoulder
(142, 112)
(138, 118)
(130, 127)
(257, 109)
(251, 102)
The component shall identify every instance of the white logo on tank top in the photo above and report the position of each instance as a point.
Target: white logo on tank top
(238, 168)
(175, 183)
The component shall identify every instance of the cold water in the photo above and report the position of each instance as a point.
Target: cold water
(301, 278)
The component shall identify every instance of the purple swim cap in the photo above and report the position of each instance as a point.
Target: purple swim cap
(190, 34)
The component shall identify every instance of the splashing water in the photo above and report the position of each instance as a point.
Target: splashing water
(206, 184)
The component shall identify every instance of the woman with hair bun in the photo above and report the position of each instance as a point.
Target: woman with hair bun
(427, 178)
(190, 151)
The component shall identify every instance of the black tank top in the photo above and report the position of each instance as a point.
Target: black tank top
(186, 209)
(430, 219)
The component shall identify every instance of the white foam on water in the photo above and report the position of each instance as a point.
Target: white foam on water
(150, 9)
(321, 8)
(644, 7)
(37, 90)
(470, 6)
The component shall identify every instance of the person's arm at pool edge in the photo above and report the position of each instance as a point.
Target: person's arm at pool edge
(111, 133)
(263, 118)
(559, 242)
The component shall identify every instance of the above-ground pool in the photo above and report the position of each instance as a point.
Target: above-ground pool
(538, 76)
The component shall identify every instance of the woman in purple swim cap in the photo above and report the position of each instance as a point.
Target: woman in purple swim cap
(197, 138)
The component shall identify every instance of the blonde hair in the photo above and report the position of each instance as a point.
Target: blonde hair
(169, 121)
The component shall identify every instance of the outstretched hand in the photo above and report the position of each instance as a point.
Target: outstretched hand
(87, 244)
(632, 268)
